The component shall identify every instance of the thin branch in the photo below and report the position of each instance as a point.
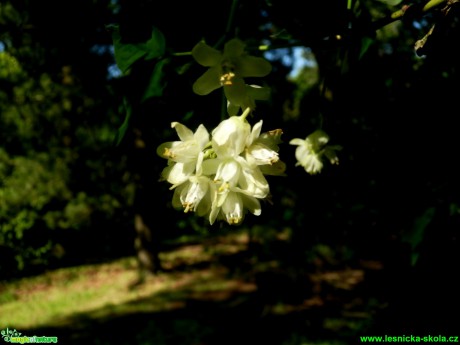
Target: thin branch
(399, 14)
(231, 19)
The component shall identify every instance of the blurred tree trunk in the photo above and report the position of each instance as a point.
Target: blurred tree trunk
(147, 237)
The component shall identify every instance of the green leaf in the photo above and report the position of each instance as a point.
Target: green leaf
(126, 54)
(366, 42)
(414, 236)
(123, 128)
(391, 2)
(157, 81)
(156, 45)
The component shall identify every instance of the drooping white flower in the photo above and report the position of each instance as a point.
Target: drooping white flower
(183, 155)
(311, 150)
(196, 192)
(235, 205)
(228, 70)
(263, 149)
(231, 206)
(229, 138)
(190, 144)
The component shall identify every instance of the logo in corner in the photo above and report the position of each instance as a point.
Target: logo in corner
(13, 336)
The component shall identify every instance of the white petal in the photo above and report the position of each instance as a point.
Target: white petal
(313, 164)
(233, 209)
(180, 173)
(183, 151)
(201, 136)
(262, 154)
(302, 153)
(204, 207)
(176, 200)
(192, 196)
(252, 204)
(256, 129)
(183, 132)
(297, 141)
(228, 171)
(217, 200)
(252, 182)
(229, 137)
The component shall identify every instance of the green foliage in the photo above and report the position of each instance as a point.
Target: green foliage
(10, 70)
(57, 177)
(8, 14)
(157, 80)
(416, 234)
(125, 125)
(127, 54)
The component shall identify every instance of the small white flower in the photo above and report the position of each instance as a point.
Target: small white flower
(194, 195)
(195, 192)
(183, 155)
(190, 145)
(229, 138)
(310, 151)
(232, 206)
(263, 148)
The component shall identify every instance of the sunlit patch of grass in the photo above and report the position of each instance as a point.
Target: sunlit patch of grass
(105, 290)
(186, 255)
(42, 299)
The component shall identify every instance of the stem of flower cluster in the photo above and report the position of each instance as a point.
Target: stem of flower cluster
(245, 113)
(228, 28)
(231, 17)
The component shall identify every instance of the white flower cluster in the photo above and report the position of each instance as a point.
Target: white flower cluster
(222, 176)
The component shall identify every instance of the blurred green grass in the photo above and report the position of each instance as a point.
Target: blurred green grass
(211, 291)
